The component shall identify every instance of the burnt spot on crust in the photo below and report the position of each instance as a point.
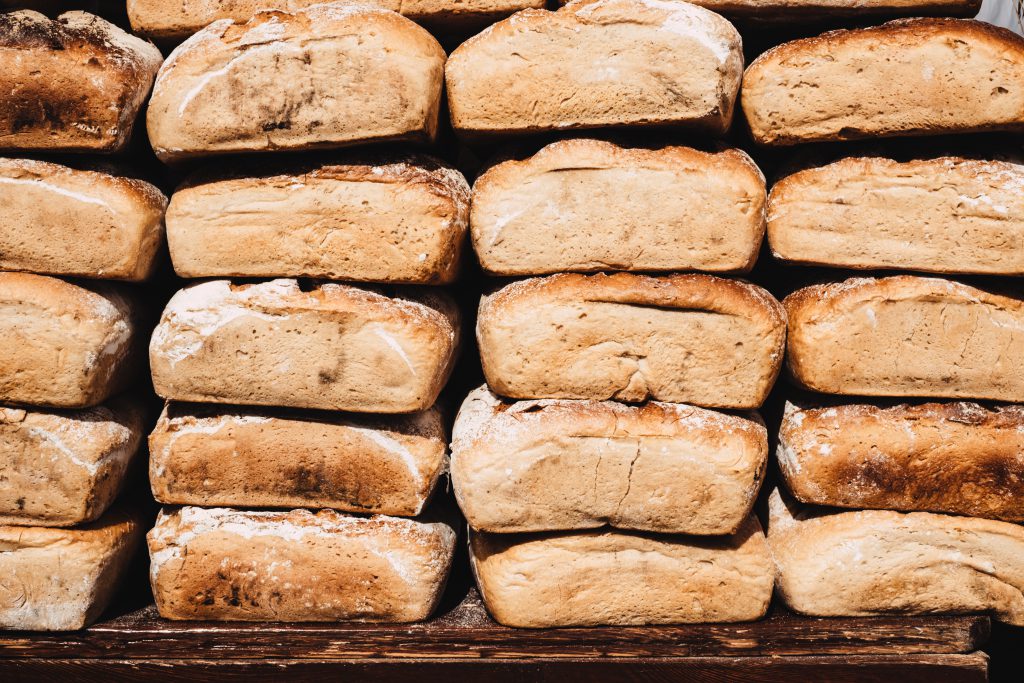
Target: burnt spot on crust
(32, 109)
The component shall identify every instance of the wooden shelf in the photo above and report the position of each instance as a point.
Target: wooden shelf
(463, 641)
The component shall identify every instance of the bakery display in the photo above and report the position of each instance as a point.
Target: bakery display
(594, 64)
(876, 562)
(297, 565)
(63, 579)
(958, 457)
(905, 77)
(58, 220)
(942, 214)
(390, 218)
(906, 336)
(329, 346)
(72, 84)
(284, 459)
(586, 205)
(679, 338)
(523, 466)
(579, 578)
(300, 80)
(68, 345)
(59, 468)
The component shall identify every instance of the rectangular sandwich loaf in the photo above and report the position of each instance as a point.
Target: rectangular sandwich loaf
(876, 562)
(64, 579)
(958, 457)
(67, 345)
(399, 219)
(219, 564)
(522, 466)
(60, 468)
(596, 64)
(596, 578)
(694, 339)
(587, 205)
(243, 457)
(328, 346)
(906, 336)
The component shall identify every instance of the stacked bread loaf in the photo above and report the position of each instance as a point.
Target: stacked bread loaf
(932, 487)
(72, 343)
(601, 479)
(295, 391)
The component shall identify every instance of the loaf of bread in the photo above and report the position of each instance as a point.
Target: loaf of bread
(588, 205)
(64, 221)
(394, 219)
(906, 336)
(677, 338)
(328, 346)
(906, 77)
(559, 464)
(324, 76)
(594, 64)
(63, 579)
(72, 84)
(596, 578)
(943, 215)
(806, 11)
(66, 345)
(162, 20)
(876, 562)
(238, 457)
(231, 565)
(935, 457)
(59, 468)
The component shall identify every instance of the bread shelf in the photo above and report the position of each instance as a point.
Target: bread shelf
(463, 640)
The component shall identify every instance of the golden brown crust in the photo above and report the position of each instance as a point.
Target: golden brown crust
(804, 90)
(244, 457)
(896, 30)
(956, 457)
(189, 116)
(905, 336)
(96, 77)
(689, 290)
(233, 565)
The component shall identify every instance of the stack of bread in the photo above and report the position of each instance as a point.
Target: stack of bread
(912, 507)
(294, 391)
(72, 342)
(601, 479)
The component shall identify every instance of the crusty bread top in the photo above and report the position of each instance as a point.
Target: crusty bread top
(1006, 175)
(28, 30)
(962, 412)
(109, 531)
(88, 301)
(826, 300)
(789, 522)
(281, 296)
(275, 26)
(24, 171)
(89, 437)
(691, 290)
(485, 419)
(579, 153)
(207, 418)
(682, 18)
(411, 169)
(175, 528)
(897, 32)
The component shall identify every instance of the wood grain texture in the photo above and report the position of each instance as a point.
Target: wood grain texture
(464, 631)
(966, 668)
